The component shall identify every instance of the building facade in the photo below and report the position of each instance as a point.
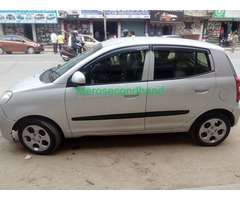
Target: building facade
(193, 24)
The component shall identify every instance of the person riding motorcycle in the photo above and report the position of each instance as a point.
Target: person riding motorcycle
(74, 41)
(125, 33)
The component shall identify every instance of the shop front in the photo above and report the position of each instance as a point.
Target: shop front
(222, 23)
(72, 20)
(92, 22)
(164, 22)
(192, 27)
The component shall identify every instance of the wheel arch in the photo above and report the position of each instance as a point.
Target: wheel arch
(16, 126)
(227, 113)
(2, 48)
(31, 47)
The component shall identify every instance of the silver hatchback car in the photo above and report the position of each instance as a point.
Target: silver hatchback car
(126, 86)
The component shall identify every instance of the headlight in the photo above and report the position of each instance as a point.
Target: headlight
(5, 97)
(37, 45)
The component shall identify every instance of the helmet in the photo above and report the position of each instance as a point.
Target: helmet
(125, 33)
(74, 32)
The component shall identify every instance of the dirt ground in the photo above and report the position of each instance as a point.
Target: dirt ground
(162, 161)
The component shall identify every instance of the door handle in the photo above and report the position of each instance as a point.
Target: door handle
(201, 90)
(131, 96)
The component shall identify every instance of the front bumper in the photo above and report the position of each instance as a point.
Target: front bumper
(39, 48)
(6, 126)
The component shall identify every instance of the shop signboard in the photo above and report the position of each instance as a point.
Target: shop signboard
(110, 14)
(166, 16)
(121, 14)
(28, 16)
(226, 14)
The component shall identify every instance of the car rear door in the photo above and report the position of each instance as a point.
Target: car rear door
(185, 81)
(6, 43)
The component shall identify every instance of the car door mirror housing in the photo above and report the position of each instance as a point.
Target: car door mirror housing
(78, 78)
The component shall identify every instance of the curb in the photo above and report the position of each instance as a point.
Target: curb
(218, 187)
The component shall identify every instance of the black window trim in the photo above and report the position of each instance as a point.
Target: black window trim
(180, 48)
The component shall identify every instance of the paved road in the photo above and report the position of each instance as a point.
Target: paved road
(14, 67)
(164, 161)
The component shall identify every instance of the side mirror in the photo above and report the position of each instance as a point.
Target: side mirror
(78, 78)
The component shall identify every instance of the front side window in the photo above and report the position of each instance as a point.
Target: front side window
(16, 39)
(119, 68)
(177, 64)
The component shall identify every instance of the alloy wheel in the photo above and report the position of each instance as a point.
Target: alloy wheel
(36, 138)
(212, 131)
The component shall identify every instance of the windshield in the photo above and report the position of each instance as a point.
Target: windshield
(62, 69)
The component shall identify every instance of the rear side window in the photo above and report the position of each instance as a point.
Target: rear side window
(6, 38)
(177, 64)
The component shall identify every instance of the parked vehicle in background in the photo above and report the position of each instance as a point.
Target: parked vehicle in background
(88, 40)
(180, 85)
(14, 43)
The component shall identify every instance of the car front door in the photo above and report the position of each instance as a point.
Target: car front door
(18, 44)
(185, 81)
(109, 102)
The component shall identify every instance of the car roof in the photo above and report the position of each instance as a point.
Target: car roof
(131, 41)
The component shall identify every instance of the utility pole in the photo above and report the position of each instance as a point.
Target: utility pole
(105, 24)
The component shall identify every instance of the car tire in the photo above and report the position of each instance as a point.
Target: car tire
(1, 50)
(65, 59)
(31, 50)
(211, 129)
(39, 136)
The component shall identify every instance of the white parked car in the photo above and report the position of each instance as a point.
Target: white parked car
(88, 40)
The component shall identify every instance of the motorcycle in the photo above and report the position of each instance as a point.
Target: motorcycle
(224, 43)
(68, 52)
